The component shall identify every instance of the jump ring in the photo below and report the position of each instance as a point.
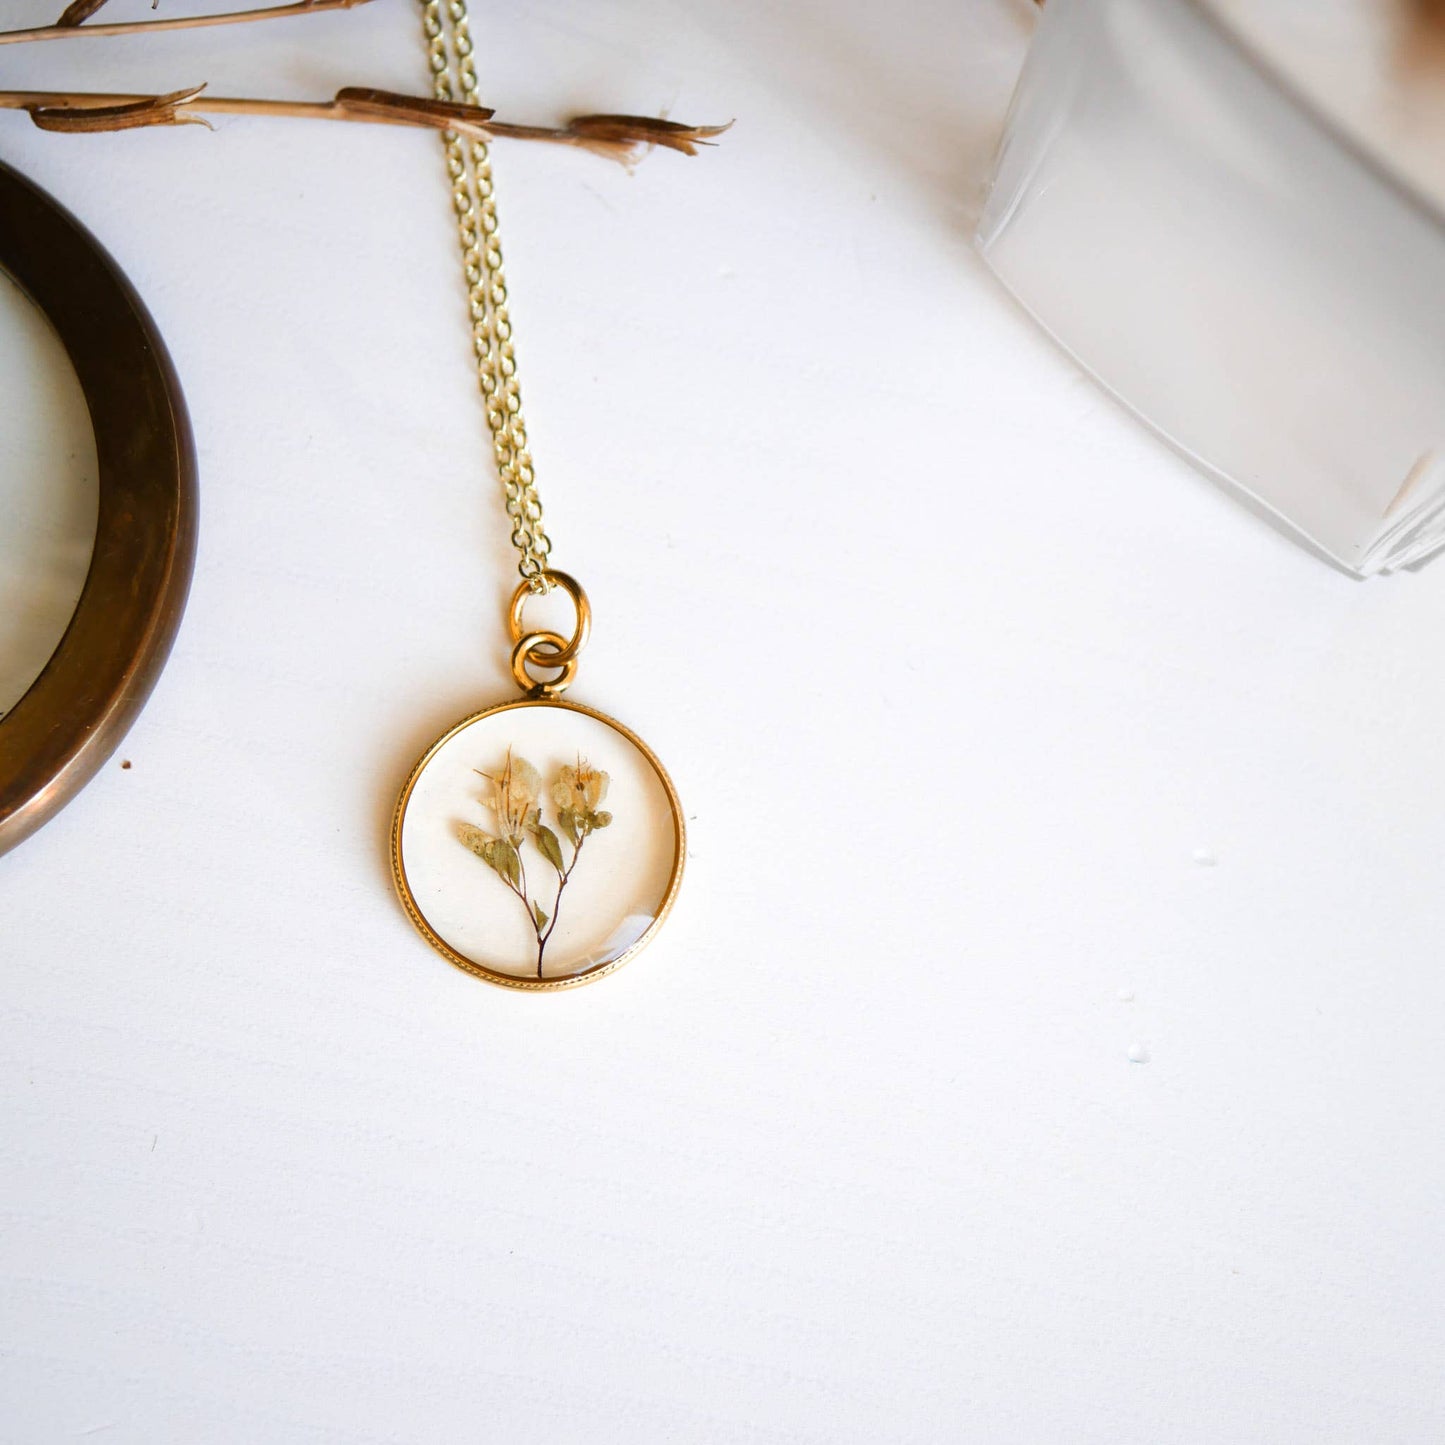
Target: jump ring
(530, 648)
(567, 650)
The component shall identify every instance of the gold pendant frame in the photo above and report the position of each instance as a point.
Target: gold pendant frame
(497, 976)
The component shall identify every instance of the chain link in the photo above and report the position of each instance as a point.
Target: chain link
(469, 167)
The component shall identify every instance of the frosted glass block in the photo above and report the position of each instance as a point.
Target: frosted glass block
(1236, 266)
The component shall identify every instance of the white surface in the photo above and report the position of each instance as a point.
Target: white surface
(48, 492)
(955, 670)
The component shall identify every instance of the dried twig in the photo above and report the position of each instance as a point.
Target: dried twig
(128, 115)
(619, 137)
(93, 111)
(71, 23)
(78, 12)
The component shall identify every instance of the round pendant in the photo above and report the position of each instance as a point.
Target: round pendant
(538, 844)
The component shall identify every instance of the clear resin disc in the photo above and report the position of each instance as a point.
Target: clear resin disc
(538, 844)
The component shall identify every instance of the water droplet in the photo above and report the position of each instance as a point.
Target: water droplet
(1138, 1054)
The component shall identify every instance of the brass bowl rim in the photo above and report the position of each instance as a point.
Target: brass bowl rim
(76, 712)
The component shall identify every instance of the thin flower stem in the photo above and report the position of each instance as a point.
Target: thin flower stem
(542, 938)
(178, 22)
(562, 879)
(522, 868)
(531, 915)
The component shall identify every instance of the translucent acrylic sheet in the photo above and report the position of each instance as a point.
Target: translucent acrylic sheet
(1234, 271)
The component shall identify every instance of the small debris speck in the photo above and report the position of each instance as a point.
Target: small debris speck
(1125, 995)
(1204, 858)
(1138, 1054)
(126, 764)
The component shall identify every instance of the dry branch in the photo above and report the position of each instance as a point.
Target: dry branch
(78, 12)
(619, 137)
(71, 22)
(128, 115)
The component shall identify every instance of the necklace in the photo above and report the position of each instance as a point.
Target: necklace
(537, 843)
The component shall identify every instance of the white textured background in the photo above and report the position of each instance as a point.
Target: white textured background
(956, 670)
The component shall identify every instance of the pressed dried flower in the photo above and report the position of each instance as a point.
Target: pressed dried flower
(581, 788)
(576, 791)
(516, 791)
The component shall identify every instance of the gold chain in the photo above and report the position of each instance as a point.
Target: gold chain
(469, 166)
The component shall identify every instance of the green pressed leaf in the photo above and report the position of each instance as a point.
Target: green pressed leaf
(541, 916)
(569, 822)
(600, 820)
(507, 864)
(548, 845)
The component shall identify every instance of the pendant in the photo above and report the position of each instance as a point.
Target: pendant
(539, 844)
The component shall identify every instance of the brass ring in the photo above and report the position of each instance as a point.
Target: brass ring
(567, 651)
(528, 649)
(76, 712)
